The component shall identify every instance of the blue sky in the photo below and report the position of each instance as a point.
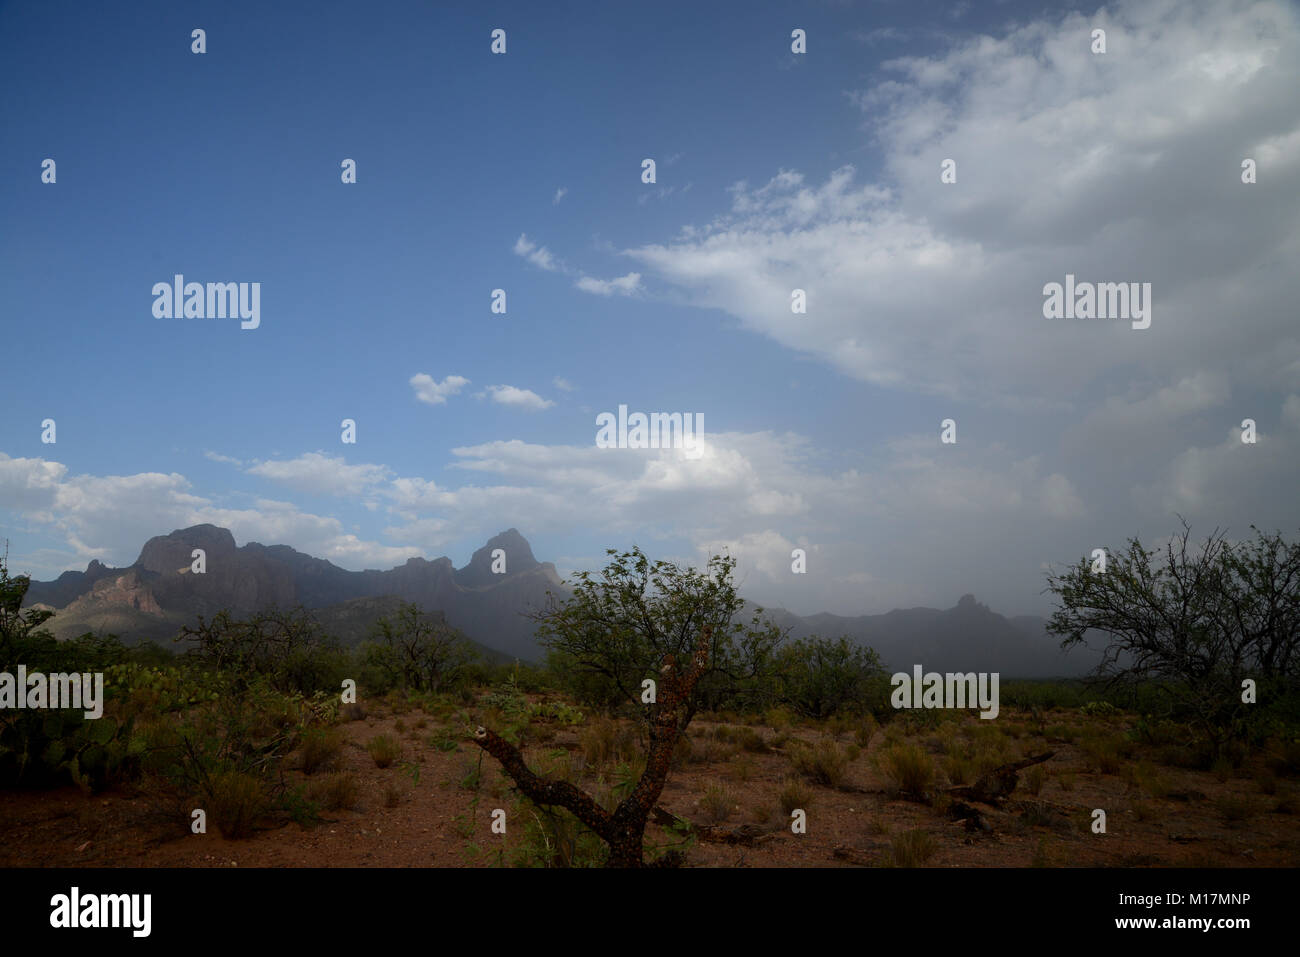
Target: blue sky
(774, 171)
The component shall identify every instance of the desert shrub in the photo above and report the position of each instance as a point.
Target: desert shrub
(1107, 752)
(959, 767)
(778, 719)
(710, 752)
(335, 792)
(909, 768)
(606, 740)
(235, 802)
(744, 737)
(1233, 810)
(741, 767)
(444, 739)
(321, 750)
(824, 763)
(794, 794)
(912, 848)
(716, 803)
(247, 733)
(1147, 778)
(865, 730)
(1062, 733)
(1035, 778)
(384, 750)
(354, 711)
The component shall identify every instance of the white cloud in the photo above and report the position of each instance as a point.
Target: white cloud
(628, 285)
(427, 389)
(109, 517)
(320, 474)
(1066, 162)
(218, 457)
(29, 483)
(559, 195)
(520, 398)
(563, 384)
(539, 256)
(277, 522)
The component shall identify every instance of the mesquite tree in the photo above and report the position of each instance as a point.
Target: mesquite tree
(623, 829)
(1195, 626)
(615, 629)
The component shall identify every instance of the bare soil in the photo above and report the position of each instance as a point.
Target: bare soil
(1197, 819)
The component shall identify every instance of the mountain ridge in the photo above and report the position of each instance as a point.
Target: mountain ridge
(157, 594)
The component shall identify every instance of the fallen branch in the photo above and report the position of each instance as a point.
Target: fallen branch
(744, 834)
(996, 785)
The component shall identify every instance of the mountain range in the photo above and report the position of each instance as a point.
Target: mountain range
(157, 594)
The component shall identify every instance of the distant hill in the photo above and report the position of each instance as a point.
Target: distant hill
(966, 637)
(152, 598)
(156, 595)
(351, 622)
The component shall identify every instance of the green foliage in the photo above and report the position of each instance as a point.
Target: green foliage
(418, 651)
(616, 629)
(285, 648)
(553, 837)
(1099, 709)
(821, 677)
(1193, 624)
(210, 752)
(22, 635)
(48, 747)
(384, 749)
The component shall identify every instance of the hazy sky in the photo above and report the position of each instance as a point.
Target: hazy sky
(775, 171)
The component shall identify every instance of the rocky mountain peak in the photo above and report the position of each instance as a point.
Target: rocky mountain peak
(169, 553)
(518, 558)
